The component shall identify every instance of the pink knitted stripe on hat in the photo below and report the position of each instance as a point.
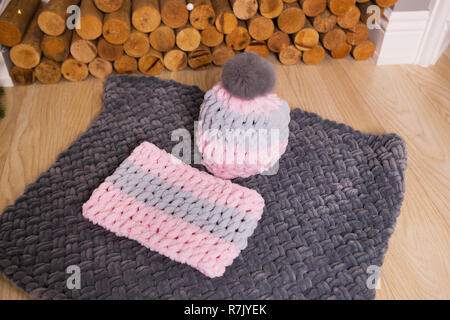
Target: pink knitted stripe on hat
(250, 163)
(260, 105)
(173, 237)
(200, 184)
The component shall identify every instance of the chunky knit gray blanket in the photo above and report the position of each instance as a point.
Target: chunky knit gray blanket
(330, 211)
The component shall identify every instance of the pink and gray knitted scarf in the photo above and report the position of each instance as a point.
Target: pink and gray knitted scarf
(176, 210)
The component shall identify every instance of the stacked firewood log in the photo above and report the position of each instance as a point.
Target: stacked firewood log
(127, 36)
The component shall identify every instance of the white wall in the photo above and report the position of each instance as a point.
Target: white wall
(412, 5)
(413, 32)
(5, 63)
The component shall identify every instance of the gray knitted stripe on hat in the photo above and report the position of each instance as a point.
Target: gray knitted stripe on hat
(217, 117)
(223, 222)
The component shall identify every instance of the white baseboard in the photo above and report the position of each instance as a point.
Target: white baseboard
(5, 66)
(400, 36)
(413, 37)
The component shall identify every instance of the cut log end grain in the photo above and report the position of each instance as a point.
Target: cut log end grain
(125, 65)
(27, 53)
(10, 35)
(291, 20)
(239, 39)
(244, 9)
(74, 70)
(226, 22)
(363, 50)
(350, 18)
(21, 76)
(116, 32)
(174, 13)
(200, 58)
(188, 38)
(340, 7)
(211, 37)
(117, 25)
(100, 68)
(341, 52)
(325, 21)
(202, 14)
(260, 28)
(386, 3)
(357, 34)
(108, 6)
(146, 16)
(333, 39)
(313, 8)
(289, 55)
(258, 47)
(53, 14)
(137, 44)
(15, 19)
(25, 56)
(91, 28)
(175, 60)
(152, 63)
(83, 50)
(306, 39)
(57, 48)
(48, 71)
(277, 41)
(162, 39)
(52, 23)
(222, 54)
(108, 51)
(314, 56)
(91, 21)
(270, 8)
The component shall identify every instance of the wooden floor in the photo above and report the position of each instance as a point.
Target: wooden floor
(414, 102)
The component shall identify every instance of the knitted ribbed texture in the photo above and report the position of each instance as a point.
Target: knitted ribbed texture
(240, 138)
(176, 210)
(329, 211)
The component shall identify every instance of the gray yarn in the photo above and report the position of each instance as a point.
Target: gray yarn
(248, 76)
(330, 210)
(227, 223)
(217, 117)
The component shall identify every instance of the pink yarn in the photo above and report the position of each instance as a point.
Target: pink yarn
(140, 200)
(179, 240)
(232, 133)
(198, 183)
(260, 105)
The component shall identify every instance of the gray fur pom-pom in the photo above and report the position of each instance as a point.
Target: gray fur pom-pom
(248, 76)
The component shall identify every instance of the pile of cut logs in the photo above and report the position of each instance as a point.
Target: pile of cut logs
(150, 35)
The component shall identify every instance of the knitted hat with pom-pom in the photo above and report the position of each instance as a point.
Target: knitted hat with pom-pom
(243, 126)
